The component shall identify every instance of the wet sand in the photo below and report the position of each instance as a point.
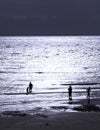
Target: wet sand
(53, 121)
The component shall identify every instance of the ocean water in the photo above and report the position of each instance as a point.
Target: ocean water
(51, 64)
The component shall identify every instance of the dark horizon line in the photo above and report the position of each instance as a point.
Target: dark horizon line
(51, 35)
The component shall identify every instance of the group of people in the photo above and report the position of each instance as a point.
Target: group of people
(70, 92)
(29, 90)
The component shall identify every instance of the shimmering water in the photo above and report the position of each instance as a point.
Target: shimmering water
(49, 63)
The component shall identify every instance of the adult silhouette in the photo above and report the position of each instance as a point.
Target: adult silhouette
(70, 92)
(88, 92)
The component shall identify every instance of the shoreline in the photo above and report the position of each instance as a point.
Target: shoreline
(83, 105)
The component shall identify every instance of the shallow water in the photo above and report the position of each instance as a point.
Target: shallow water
(51, 64)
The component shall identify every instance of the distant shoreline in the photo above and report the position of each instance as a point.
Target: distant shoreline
(43, 35)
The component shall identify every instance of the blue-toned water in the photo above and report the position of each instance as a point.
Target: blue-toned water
(49, 63)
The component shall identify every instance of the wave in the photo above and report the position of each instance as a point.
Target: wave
(45, 93)
(6, 72)
(84, 83)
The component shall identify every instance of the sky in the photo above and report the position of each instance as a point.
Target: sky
(49, 17)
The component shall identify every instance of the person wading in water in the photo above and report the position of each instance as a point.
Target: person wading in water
(70, 92)
(29, 89)
(88, 94)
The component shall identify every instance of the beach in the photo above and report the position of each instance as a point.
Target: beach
(85, 117)
(59, 121)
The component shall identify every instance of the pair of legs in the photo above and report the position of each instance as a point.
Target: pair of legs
(28, 90)
(70, 96)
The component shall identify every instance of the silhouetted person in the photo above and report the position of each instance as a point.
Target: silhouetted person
(88, 92)
(29, 89)
(70, 92)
